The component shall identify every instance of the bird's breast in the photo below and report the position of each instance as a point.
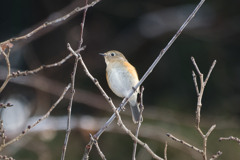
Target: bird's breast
(120, 80)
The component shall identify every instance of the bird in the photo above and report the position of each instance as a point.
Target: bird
(121, 78)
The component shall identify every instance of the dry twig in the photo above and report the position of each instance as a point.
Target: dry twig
(98, 148)
(165, 151)
(46, 24)
(230, 138)
(216, 155)
(139, 124)
(199, 105)
(73, 82)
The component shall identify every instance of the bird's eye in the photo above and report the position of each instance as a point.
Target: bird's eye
(112, 54)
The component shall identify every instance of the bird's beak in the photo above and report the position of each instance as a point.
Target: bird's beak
(102, 54)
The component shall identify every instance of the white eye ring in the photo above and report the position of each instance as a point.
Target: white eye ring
(112, 54)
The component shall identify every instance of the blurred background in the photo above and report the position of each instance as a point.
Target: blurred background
(140, 30)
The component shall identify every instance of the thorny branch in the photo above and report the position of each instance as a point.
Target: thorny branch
(73, 83)
(38, 121)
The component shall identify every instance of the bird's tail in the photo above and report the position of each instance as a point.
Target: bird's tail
(136, 113)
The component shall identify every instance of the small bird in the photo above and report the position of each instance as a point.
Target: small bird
(121, 78)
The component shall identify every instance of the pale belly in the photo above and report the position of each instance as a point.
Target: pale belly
(121, 82)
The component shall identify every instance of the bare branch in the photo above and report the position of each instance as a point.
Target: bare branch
(210, 71)
(165, 151)
(139, 123)
(199, 105)
(46, 24)
(98, 148)
(9, 69)
(38, 121)
(230, 138)
(216, 155)
(195, 82)
(185, 143)
(73, 82)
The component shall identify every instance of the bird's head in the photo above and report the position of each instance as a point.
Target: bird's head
(113, 56)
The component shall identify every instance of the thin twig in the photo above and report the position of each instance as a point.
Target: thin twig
(141, 106)
(9, 69)
(216, 155)
(38, 121)
(3, 133)
(198, 111)
(185, 143)
(52, 22)
(68, 131)
(98, 148)
(230, 138)
(165, 151)
(195, 82)
(199, 104)
(35, 71)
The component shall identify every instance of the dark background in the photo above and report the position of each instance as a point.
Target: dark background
(140, 30)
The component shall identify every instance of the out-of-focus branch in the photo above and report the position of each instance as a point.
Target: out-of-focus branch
(6, 158)
(25, 73)
(5, 105)
(46, 24)
(38, 121)
(230, 138)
